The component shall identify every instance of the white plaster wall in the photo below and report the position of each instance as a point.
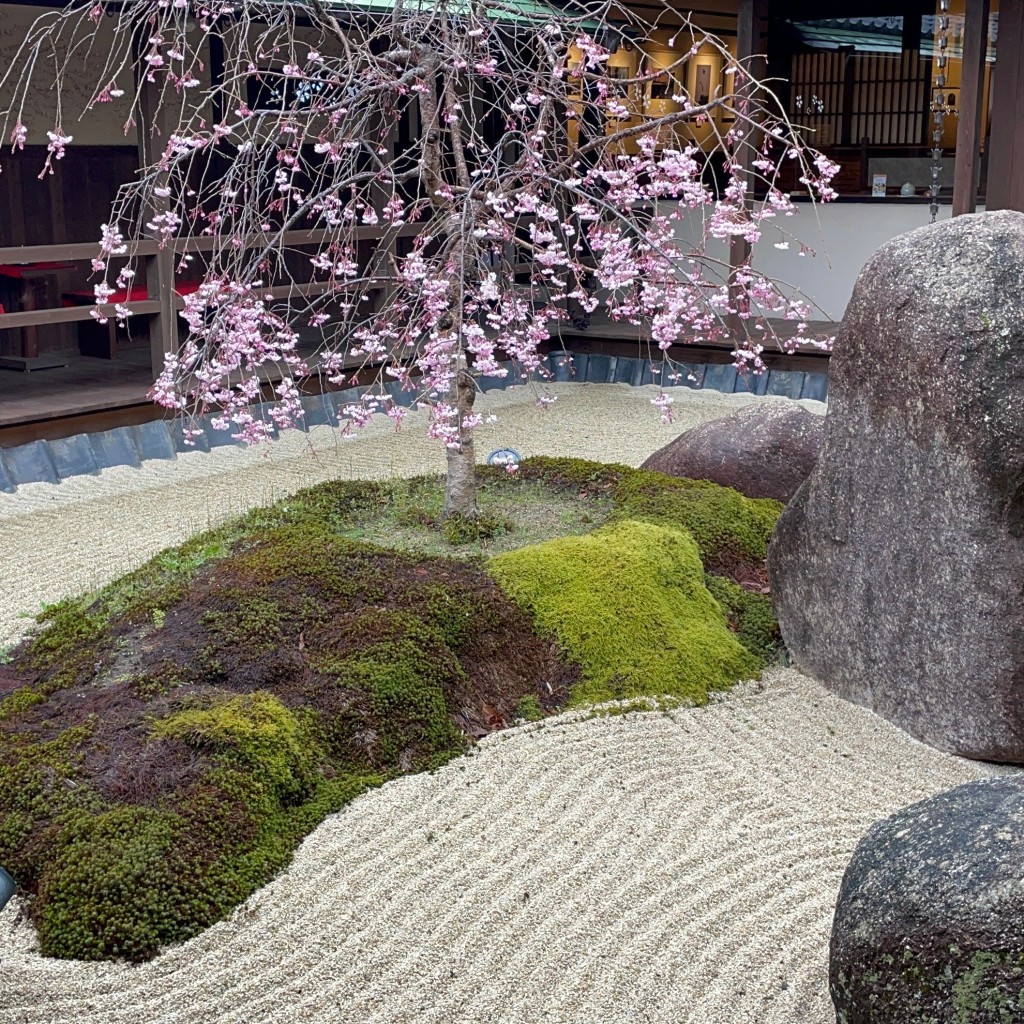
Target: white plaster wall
(837, 238)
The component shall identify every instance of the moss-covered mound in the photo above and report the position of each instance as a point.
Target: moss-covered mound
(731, 530)
(628, 602)
(166, 744)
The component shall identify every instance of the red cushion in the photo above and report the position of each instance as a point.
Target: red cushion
(137, 294)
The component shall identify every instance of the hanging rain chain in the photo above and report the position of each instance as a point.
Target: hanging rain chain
(939, 107)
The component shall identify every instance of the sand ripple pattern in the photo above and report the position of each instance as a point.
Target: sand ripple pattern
(659, 867)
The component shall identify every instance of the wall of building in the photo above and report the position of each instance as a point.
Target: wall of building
(828, 246)
(104, 125)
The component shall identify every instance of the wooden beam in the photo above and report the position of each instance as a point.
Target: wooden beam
(967, 165)
(1005, 189)
(70, 314)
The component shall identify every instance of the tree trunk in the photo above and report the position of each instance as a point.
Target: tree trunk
(460, 486)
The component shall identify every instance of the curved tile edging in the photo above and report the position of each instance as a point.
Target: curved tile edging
(81, 454)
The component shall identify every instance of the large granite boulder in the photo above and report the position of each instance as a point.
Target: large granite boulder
(929, 925)
(765, 450)
(897, 570)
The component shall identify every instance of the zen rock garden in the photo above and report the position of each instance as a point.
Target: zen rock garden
(169, 740)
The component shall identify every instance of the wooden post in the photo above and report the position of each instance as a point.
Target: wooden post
(967, 166)
(748, 44)
(1005, 189)
(163, 326)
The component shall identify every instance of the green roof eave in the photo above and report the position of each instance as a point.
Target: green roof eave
(503, 10)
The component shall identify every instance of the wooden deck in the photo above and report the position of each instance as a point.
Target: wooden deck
(84, 385)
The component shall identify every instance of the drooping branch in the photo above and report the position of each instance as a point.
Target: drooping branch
(504, 175)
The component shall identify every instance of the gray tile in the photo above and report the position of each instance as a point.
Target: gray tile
(73, 456)
(751, 383)
(115, 448)
(815, 386)
(720, 377)
(646, 376)
(564, 366)
(199, 444)
(399, 394)
(696, 371)
(260, 412)
(31, 463)
(319, 410)
(490, 382)
(6, 483)
(580, 363)
(789, 383)
(599, 369)
(628, 370)
(154, 440)
(223, 438)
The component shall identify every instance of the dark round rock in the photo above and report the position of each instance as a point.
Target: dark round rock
(766, 450)
(929, 925)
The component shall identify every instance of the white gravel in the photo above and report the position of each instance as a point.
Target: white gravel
(659, 867)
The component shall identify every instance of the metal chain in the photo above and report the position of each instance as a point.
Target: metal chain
(939, 109)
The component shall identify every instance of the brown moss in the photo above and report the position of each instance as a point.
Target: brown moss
(278, 679)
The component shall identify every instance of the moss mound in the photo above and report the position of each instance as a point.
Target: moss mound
(731, 530)
(628, 602)
(165, 744)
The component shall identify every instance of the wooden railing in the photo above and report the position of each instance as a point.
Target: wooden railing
(148, 249)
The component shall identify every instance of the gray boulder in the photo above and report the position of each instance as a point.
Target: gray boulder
(897, 570)
(765, 450)
(929, 925)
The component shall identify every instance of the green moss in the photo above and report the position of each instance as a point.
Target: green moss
(40, 786)
(67, 647)
(405, 668)
(628, 602)
(20, 700)
(125, 881)
(727, 526)
(257, 732)
(113, 887)
(750, 615)
(154, 587)
(575, 475)
(529, 709)
(459, 529)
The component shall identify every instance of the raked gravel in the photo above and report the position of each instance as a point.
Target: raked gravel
(656, 867)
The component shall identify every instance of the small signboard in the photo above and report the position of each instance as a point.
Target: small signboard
(878, 185)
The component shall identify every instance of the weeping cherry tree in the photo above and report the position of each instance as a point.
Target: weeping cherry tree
(468, 177)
